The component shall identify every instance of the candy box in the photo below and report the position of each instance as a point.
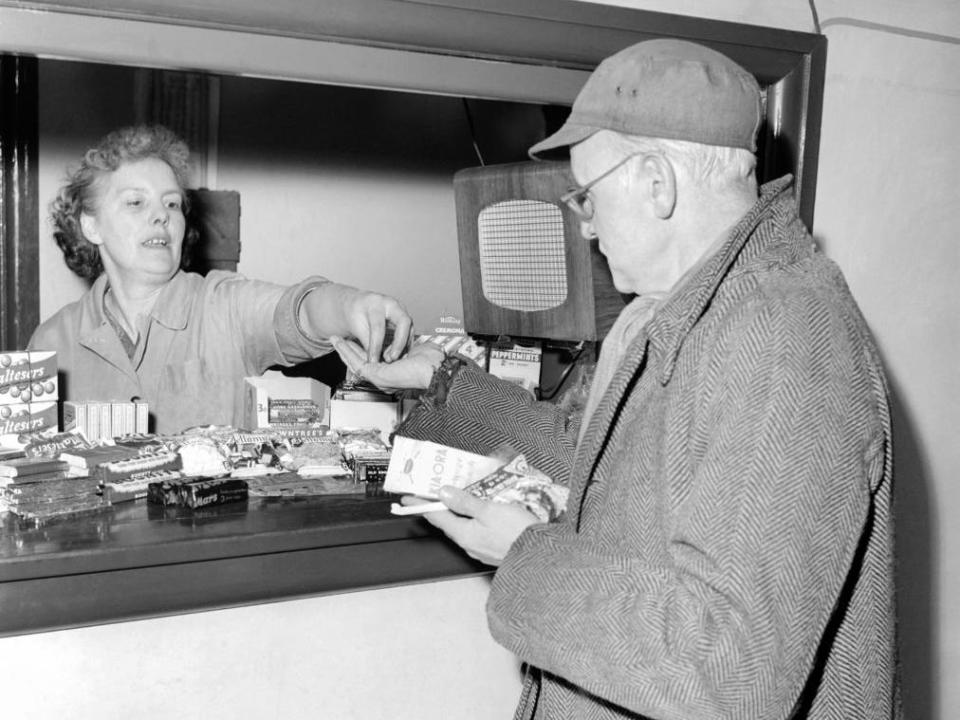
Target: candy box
(25, 367)
(42, 390)
(24, 418)
(421, 467)
(285, 396)
(364, 409)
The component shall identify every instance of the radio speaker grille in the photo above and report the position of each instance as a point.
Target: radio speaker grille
(522, 261)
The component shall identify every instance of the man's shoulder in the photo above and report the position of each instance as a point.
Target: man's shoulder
(807, 298)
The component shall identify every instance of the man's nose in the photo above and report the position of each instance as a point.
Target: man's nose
(587, 230)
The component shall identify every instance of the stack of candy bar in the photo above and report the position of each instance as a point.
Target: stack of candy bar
(42, 488)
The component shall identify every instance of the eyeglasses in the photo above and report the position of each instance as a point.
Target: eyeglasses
(578, 199)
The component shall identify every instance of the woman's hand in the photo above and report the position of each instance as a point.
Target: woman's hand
(412, 371)
(368, 314)
(334, 310)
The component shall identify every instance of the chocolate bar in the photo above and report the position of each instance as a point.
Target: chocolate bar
(91, 457)
(197, 492)
(39, 479)
(52, 487)
(53, 445)
(118, 470)
(137, 485)
(45, 511)
(19, 467)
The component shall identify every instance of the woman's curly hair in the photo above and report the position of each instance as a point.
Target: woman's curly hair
(80, 194)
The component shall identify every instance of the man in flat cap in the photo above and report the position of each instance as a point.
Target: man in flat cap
(727, 547)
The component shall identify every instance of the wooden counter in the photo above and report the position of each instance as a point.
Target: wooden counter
(136, 560)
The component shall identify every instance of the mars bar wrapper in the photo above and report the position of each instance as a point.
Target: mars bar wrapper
(197, 492)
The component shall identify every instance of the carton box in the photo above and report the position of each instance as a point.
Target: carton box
(284, 396)
(26, 418)
(42, 390)
(421, 467)
(27, 375)
(519, 365)
(350, 409)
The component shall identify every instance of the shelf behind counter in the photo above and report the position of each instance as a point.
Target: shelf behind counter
(135, 560)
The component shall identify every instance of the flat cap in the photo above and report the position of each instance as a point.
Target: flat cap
(665, 88)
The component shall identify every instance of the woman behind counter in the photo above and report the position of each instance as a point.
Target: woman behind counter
(148, 329)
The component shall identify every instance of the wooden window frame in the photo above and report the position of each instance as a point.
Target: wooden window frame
(527, 50)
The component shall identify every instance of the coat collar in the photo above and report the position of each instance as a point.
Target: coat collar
(680, 312)
(664, 334)
(172, 308)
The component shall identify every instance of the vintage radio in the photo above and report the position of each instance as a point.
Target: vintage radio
(525, 270)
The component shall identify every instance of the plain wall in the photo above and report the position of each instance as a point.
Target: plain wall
(419, 651)
(886, 209)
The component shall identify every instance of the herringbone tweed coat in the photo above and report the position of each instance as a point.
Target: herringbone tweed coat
(728, 546)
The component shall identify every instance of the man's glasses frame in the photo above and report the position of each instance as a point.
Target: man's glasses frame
(578, 199)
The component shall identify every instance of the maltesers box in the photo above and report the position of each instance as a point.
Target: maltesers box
(274, 398)
(28, 376)
(42, 390)
(16, 419)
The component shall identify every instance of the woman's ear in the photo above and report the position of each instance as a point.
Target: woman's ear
(663, 184)
(88, 224)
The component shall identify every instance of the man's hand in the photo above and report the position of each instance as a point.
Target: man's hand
(483, 528)
(413, 371)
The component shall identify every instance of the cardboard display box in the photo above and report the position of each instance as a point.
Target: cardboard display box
(365, 409)
(274, 398)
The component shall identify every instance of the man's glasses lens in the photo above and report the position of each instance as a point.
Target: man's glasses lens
(578, 200)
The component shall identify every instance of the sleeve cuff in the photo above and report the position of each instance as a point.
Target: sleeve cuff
(286, 318)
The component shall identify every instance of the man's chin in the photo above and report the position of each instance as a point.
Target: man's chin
(622, 285)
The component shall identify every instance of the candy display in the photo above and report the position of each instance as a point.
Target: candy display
(202, 467)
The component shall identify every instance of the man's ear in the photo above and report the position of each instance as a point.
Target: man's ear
(88, 224)
(663, 184)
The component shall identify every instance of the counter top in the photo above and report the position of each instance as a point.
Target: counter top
(137, 560)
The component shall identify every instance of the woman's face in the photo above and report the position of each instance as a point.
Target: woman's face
(139, 223)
